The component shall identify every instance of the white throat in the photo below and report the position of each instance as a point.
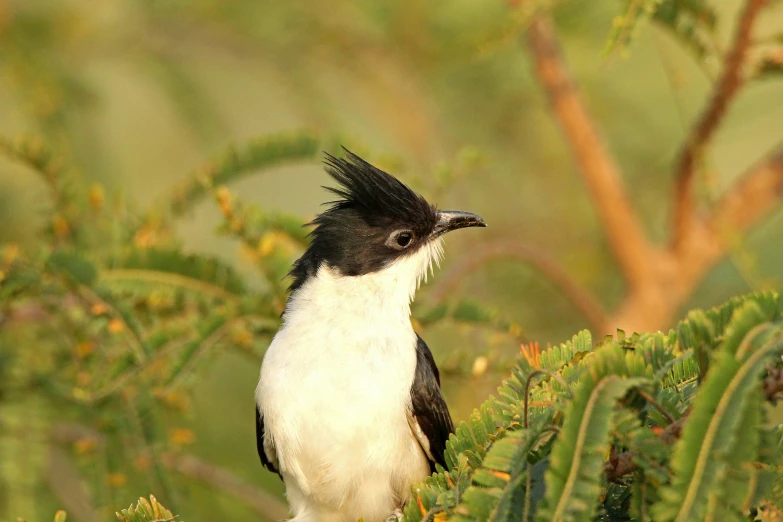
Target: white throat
(385, 294)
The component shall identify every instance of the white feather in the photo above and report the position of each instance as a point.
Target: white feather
(335, 393)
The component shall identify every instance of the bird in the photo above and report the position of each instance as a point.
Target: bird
(349, 411)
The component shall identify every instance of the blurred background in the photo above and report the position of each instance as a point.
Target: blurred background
(139, 97)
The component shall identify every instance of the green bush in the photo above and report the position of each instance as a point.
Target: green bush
(665, 427)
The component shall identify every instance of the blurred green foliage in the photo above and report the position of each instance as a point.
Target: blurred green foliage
(114, 290)
(120, 318)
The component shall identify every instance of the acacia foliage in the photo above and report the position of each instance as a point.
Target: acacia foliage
(656, 426)
(105, 319)
(652, 426)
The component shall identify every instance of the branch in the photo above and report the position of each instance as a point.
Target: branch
(64, 481)
(220, 479)
(263, 503)
(624, 233)
(581, 298)
(692, 152)
(755, 195)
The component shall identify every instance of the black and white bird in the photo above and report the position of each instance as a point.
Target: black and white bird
(349, 411)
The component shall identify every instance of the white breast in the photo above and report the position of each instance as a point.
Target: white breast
(335, 392)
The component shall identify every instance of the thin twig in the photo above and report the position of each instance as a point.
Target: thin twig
(624, 233)
(579, 296)
(430, 515)
(692, 152)
(657, 405)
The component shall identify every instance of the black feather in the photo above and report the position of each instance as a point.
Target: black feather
(378, 196)
(429, 408)
(267, 460)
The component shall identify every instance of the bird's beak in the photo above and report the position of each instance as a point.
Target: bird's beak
(449, 220)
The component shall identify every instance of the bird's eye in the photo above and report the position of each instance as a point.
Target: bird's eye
(400, 239)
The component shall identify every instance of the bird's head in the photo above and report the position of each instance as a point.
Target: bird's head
(377, 222)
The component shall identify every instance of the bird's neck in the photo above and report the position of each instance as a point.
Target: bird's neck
(384, 295)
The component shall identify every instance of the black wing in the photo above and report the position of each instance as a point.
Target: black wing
(430, 419)
(265, 449)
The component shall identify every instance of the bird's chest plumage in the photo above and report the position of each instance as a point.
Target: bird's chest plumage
(350, 375)
(335, 395)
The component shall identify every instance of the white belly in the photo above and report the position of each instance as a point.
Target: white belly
(338, 419)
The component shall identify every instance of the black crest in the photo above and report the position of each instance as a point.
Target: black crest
(351, 234)
(379, 197)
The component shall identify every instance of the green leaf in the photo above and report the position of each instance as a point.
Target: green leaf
(573, 479)
(701, 456)
(199, 273)
(736, 489)
(439, 492)
(697, 333)
(501, 491)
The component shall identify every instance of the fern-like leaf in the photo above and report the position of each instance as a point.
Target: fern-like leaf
(701, 456)
(203, 274)
(502, 489)
(573, 478)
